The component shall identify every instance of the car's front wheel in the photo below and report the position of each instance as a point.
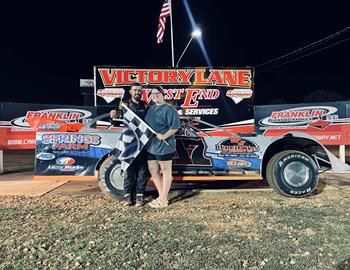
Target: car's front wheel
(110, 180)
(292, 173)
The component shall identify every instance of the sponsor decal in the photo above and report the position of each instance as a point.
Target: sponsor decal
(18, 142)
(238, 163)
(45, 156)
(69, 141)
(328, 137)
(65, 168)
(20, 129)
(109, 94)
(238, 94)
(65, 161)
(49, 126)
(299, 116)
(239, 148)
(65, 115)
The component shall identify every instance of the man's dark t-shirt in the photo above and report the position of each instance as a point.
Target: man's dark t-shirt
(139, 109)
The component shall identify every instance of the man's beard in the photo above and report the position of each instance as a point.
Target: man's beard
(137, 97)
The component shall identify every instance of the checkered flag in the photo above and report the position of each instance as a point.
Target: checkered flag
(133, 138)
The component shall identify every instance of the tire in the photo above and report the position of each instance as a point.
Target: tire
(110, 180)
(292, 173)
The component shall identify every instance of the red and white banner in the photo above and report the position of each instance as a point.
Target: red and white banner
(16, 132)
(223, 96)
(327, 122)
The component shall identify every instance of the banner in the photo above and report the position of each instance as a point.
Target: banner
(221, 96)
(15, 131)
(327, 122)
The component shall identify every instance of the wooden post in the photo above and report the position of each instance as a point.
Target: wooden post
(342, 152)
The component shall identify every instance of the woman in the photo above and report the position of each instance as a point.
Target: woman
(164, 119)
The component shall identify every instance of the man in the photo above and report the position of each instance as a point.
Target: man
(136, 174)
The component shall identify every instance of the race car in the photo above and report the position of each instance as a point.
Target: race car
(291, 163)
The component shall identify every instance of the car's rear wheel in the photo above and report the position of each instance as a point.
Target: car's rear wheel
(110, 180)
(292, 173)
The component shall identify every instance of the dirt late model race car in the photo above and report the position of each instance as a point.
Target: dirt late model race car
(290, 163)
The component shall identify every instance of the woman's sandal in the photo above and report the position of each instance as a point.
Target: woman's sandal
(153, 202)
(157, 204)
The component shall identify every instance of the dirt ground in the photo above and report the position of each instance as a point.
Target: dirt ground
(239, 225)
(199, 230)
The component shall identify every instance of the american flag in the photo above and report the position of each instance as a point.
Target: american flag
(133, 138)
(164, 13)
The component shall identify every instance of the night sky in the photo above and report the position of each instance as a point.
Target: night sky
(46, 48)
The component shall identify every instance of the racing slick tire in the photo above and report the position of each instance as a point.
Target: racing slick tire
(292, 173)
(110, 180)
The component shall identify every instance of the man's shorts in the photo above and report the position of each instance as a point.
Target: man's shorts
(160, 157)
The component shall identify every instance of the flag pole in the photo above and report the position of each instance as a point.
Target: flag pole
(171, 31)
